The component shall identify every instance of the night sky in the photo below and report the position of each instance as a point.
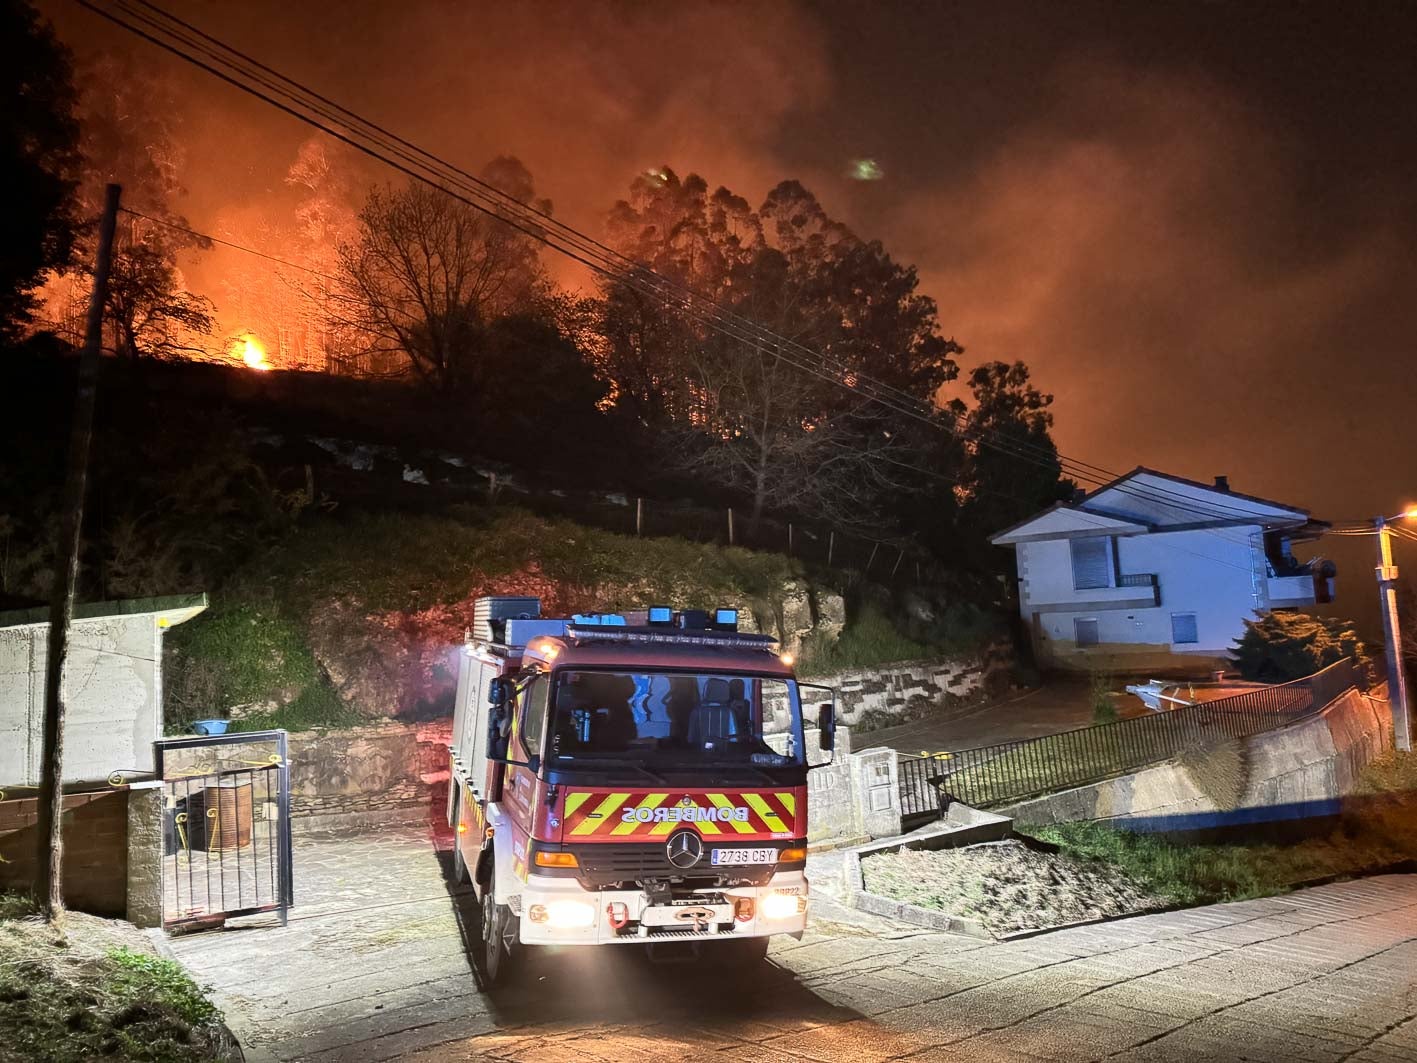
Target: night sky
(1196, 222)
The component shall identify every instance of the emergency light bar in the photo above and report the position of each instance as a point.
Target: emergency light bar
(661, 636)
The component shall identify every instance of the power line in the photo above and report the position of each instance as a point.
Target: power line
(228, 243)
(349, 127)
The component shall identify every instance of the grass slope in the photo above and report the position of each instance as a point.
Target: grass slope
(252, 644)
(95, 992)
(1377, 829)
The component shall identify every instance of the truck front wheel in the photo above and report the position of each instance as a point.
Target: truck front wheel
(501, 956)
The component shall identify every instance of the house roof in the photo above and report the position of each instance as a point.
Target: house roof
(174, 608)
(1226, 492)
(1067, 519)
(1158, 502)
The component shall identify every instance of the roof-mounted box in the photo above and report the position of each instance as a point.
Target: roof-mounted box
(490, 615)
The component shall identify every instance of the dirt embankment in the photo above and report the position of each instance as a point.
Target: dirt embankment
(1006, 886)
(97, 991)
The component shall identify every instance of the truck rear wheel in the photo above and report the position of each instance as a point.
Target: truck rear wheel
(501, 957)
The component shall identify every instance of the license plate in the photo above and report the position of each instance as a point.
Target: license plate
(744, 856)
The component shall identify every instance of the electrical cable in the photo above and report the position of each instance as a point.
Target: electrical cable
(595, 255)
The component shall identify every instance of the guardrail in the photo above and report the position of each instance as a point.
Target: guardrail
(1009, 771)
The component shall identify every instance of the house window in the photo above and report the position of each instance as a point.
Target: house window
(1183, 628)
(1092, 564)
(1085, 632)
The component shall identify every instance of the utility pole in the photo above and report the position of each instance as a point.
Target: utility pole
(49, 840)
(1392, 635)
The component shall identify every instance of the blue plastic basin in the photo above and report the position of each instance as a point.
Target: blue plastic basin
(211, 727)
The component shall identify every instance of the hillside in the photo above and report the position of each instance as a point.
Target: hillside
(361, 617)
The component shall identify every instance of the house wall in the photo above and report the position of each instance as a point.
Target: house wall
(1212, 574)
(113, 699)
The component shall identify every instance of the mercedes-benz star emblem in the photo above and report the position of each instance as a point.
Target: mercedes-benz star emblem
(684, 849)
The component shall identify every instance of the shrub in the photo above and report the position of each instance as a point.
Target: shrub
(1282, 646)
(1104, 709)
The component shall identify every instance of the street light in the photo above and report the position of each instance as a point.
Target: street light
(1392, 631)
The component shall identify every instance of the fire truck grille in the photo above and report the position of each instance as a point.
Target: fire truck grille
(603, 865)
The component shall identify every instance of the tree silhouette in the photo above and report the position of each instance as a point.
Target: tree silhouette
(39, 158)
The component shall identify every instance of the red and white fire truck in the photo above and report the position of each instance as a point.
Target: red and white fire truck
(636, 779)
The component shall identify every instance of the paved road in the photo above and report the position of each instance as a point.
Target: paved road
(372, 968)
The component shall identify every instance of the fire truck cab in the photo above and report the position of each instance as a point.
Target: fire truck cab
(631, 780)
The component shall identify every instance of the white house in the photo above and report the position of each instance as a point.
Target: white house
(1152, 571)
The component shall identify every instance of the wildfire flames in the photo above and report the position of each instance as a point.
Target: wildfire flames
(252, 353)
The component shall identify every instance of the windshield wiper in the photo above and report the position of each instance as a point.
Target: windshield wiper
(613, 762)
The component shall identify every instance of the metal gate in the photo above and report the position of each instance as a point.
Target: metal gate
(921, 797)
(226, 827)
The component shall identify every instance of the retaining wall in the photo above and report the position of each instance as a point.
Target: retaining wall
(888, 694)
(1298, 771)
(368, 776)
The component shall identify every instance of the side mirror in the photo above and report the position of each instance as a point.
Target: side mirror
(499, 691)
(826, 727)
(497, 734)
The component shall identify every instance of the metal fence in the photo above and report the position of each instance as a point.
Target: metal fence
(1008, 771)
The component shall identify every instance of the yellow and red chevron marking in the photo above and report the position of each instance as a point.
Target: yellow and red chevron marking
(622, 815)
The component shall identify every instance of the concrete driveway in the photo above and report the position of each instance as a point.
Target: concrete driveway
(372, 967)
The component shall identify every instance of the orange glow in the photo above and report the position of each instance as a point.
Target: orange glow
(1410, 513)
(252, 353)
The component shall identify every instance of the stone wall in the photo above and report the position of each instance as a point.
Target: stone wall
(1299, 771)
(869, 698)
(365, 776)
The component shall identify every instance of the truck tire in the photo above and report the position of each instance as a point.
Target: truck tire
(501, 957)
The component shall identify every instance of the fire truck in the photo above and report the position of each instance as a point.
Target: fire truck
(635, 779)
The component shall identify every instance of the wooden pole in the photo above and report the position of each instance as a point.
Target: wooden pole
(831, 547)
(789, 539)
(730, 525)
(899, 558)
(639, 516)
(872, 557)
(49, 840)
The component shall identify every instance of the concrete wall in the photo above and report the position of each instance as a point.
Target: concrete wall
(879, 696)
(114, 707)
(95, 849)
(1298, 771)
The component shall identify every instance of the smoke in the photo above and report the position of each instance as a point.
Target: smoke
(1147, 245)
(1177, 258)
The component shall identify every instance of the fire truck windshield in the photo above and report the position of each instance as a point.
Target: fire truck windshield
(674, 719)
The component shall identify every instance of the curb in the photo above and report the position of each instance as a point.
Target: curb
(859, 897)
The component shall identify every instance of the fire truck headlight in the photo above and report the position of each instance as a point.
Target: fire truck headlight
(570, 915)
(782, 906)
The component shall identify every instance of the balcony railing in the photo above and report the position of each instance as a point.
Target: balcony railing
(1142, 579)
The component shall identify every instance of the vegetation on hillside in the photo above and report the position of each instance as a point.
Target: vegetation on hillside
(96, 991)
(1284, 645)
(382, 600)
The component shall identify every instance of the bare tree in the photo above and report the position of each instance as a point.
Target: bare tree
(428, 273)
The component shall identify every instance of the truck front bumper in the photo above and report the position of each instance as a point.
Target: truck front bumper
(557, 911)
